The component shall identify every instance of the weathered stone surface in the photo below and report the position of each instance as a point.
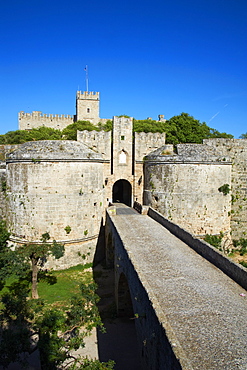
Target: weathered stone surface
(52, 150)
(186, 306)
(236, 149)
(184, 187)
(56, 187)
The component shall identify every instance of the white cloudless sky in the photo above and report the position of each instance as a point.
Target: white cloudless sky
(144, 57)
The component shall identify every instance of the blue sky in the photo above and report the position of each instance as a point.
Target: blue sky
(145, 57)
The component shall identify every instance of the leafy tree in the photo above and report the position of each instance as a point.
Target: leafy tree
(10, 262)
(243, 136)
(106, 126)
(179, 129)
(29, 324)
(22, 136)
(186, 129)
(37, 253)
(70, 132)
(148, 125)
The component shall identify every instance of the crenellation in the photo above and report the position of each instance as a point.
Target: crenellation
(94, 95)
(36, 119)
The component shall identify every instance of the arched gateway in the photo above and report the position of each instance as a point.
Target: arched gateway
(122, 192)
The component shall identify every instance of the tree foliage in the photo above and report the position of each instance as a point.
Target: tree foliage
(243, 136)
(22, 136)
(27, 325)
(179, 129)
(70, 132)
(10, 262)
(37, 254)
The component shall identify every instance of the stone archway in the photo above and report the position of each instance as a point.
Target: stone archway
(124, 303)
(122, 192)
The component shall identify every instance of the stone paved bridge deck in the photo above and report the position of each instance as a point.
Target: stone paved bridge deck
(202, 310)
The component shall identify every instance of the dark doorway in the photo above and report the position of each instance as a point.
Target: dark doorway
(121, 192)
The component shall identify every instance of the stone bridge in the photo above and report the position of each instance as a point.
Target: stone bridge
(188, 300)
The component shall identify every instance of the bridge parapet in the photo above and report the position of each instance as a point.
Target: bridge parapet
(234, 270)
(188, 314)
(156, 339)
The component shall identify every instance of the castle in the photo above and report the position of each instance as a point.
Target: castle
(63, 187)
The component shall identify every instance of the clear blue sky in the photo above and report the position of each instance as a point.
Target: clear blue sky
(145, 57)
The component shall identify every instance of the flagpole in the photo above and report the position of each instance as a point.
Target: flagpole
(86, 69)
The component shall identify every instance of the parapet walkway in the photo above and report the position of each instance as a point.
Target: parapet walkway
(207, 311)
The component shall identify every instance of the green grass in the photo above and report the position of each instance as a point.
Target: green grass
(67, 284)
(61, 285)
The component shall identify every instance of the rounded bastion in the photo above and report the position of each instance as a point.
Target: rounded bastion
(184, 187)
(56, 187)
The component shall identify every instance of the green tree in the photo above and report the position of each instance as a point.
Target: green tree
(29, 324)
(22, 136)
(37, 254)
(243, 136)
(105, 126)
(148, 125)
(10, 262)
(186, 129)
(70, 132)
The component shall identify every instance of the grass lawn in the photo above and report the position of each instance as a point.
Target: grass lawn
(62, 285)
(67, 284)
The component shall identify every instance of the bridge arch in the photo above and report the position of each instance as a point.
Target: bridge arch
(122, 192)
(124, 303)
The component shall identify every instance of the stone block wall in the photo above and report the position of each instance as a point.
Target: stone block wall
(3, 199)
(184, 188)
(146, 143)
(236, 149)
(100, 141)
(234, 270)
(36, 119)
(87, 106)
(63, 197)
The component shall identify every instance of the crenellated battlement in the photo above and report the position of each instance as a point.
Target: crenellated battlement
(148, 142)
(100, 141)
(88, 95)
(36, 119)
(42, 116)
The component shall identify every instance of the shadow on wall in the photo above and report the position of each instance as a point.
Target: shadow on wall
(119, 343)
(100, 254)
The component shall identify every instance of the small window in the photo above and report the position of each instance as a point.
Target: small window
(122, 137)
(88, 110)
(122, 157)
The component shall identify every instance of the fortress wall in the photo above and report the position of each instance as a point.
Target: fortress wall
(187, 194)
(37, 119)
(48, 196)
(236, 149)
(3, 200)
(100, 141)
(147, 142)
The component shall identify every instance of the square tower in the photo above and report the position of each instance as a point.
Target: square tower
(122, 153)
(87, 106)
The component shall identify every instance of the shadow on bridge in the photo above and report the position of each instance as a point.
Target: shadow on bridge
(119, 343)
